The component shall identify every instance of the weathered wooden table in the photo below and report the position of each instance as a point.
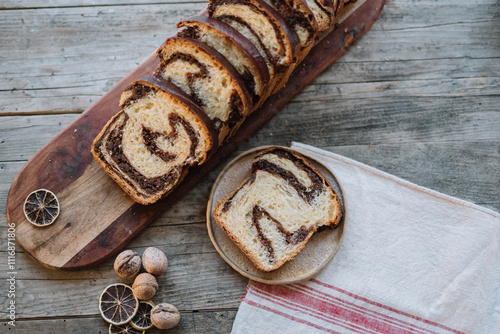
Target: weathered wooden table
(418, 97)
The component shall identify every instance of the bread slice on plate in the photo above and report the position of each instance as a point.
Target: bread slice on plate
(271, 215)
(209, 78)
(235, 47)
(149, 145)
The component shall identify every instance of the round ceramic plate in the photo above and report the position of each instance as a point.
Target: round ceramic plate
(318, 252)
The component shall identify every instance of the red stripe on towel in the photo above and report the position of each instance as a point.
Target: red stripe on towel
(367, 312)
(263, 307)
(428, 322)
(335, 310)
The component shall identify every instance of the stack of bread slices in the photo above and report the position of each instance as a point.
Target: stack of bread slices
(213, 73)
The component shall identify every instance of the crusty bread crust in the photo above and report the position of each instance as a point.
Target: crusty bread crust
(264, 27)
(109, 147)
(208, 77)
(237, 49)
(301, 19)
(272, 215)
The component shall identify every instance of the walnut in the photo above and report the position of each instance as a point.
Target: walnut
(145, 286)
(165, 316)
(127, 264)
(154, 261)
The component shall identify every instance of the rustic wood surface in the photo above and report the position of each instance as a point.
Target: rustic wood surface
(417, 97)
(97, 218)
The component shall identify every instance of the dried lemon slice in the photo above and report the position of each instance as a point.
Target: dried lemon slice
(118, 304)
(124, 329)
(41, 207)
(142, 319)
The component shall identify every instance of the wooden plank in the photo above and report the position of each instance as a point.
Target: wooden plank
(78, 68)
(468, 116)
(197, 278)
(385, 121)
(189, 292)
(389, 121)
(191, 322)
(28, 4)
(21, 137)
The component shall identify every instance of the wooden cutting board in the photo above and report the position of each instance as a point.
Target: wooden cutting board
(97, 218)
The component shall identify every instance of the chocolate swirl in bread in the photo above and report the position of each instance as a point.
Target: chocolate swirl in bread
(323, 11)
(238, 50)
(271, 215)
(205, 75)
(261, 24)
(301, 19)
(149, 145)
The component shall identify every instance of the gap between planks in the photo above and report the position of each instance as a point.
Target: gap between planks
(41, 113)
(92, 316)
(103, 5)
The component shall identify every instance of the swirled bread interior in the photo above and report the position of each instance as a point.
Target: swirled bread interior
(265, 28)
(272, 215)
(148, 146)
(205, 75)
(237, 49)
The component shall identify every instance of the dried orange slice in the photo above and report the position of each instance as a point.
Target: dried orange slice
(41, 207)
(124, 329)
(142, 319)
(118, 304)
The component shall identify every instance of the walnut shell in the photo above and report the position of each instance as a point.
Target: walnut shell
(145, 286)
(154, 261)
(127, 264)
(165, 316)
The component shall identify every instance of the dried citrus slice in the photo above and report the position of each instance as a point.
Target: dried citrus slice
(142, 319)
(41, 207)
(118, 304)
(124, 329)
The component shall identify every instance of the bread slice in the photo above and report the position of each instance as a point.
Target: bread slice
(149, 145)
(326, 11)
(205, 75)
(301, 19)
(237, 49)
(323, 11)
(265, 28)
(271, 215)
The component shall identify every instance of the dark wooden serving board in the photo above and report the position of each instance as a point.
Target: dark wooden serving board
(97, 218)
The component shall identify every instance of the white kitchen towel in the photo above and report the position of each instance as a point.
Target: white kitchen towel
(413, 261)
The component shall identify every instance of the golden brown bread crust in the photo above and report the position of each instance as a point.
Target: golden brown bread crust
(204, 74)
(272, 215)
(116, 148)
(266, 28)
(301, 19)
(237, 49)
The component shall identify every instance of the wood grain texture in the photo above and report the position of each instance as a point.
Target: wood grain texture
(216, 322)
(447, 141)
(97, 219)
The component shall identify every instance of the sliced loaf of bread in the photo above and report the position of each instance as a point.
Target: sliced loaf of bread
(149, 145)
(265, 28)
(271, 215)
(235, 47)
(209, 78)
